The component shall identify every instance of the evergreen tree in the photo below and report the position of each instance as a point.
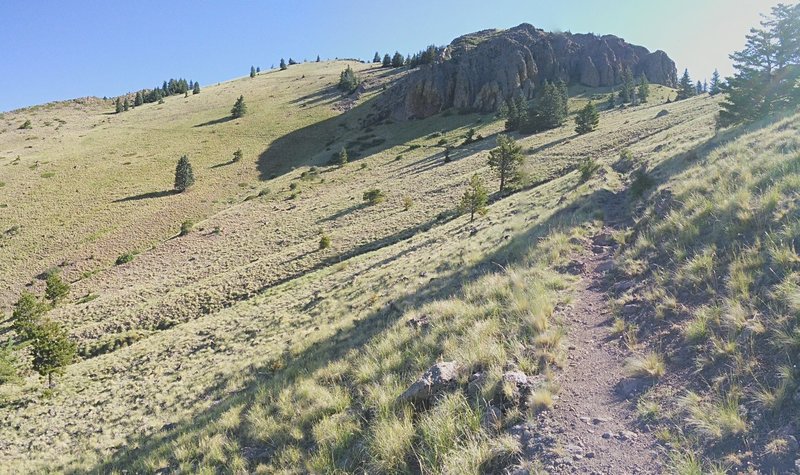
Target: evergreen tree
(587, 119)
(258, 69)
(252, 71)
(348, 81)
(686, 88)
(644, 88)
(397, 60)
(196, 88)
(138, 99)
(283, 65)
(118, 106)
(628, 86)
(714, 89)
(292, 62)
(184, 176)
(511, 114)
(51, 349)
(318, 59)
(376, 58)
(342, 158)
(56, 289)
(126, 105)
(475, 198)
(27, 313)
(387, 61)
(165, 89)
(698, 88)
(239, 108)
(506, 160)
(611, 99)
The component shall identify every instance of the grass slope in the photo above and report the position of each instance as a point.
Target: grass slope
(245, 346)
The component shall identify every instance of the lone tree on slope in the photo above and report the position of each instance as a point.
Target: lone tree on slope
(283, 65)
(587, 119)
(475, 198)
(252, 71)
(239, 108)
(52, 349)
(184, 176)
(196, 88)
(505, 160)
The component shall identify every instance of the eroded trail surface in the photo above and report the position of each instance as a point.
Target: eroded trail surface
(593, 427)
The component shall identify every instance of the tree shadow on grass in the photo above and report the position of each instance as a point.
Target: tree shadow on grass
(216, 121)
(147, 196)
(223, 164)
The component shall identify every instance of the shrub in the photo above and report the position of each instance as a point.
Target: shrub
(324, 241)
(26, 125)
(408, 202)
(8, 365)
(186, 227)
(56, 288)
(125, 258)
(641, 183)
(649, 366)
(373, 196)
(587, 168)
(237, 156)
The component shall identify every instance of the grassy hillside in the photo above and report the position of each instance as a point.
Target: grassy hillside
(243, 346)
(716, 265)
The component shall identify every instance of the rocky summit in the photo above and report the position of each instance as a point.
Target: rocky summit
(479, 71)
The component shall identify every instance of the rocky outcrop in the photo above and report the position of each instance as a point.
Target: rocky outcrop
(482, 70)
(440, 377)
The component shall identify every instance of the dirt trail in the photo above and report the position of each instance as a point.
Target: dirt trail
(593, 427)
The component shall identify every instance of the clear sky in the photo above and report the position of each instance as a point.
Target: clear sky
(61, 49)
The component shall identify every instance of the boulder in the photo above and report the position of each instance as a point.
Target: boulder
(440, 377)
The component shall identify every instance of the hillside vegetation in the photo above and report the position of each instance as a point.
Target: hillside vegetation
(245, 346)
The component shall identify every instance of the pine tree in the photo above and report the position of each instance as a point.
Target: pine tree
(685, 86)
(118, 106)
(283, 65)
(196, 88)
(184, 176)
(56, 289)
(51, 349)
(644, 88)
(138, 99)
(506, 160)
(239, 108)
(348, 81)
(714, 89)
(252, 71)
(698, 88)
(292, 62)
(587, 119)
(342, 158)
(376, 58)
(767, 69)
(628, 86)
(398, 60)
(475, 198)
(611, 99)
(126, 105)
(258, 69)
(27, 313)
(387, 61)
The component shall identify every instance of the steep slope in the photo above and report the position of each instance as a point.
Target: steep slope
(713, 294)
(479, 72)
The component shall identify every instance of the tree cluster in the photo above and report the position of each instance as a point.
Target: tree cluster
(145, 96)
(396, 61)
(429, 55)
(348, 81)
(767, 77)
(547, 111)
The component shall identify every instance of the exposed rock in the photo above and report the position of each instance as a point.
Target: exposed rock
(440, 377)
(482, 70)
(516, 386)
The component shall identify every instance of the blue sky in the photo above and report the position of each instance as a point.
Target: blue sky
(53, 50)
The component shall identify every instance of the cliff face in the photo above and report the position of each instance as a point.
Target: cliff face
(481, 70)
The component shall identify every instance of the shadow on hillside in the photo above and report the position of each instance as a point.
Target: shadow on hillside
(147, 196)
(355, 129)
(223, 164)
(221, 120)
(582, 210)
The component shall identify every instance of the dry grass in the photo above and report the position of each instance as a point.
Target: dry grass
(257, 341)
